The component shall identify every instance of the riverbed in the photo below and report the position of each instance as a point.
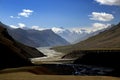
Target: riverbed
(52, 57)
(53, 61)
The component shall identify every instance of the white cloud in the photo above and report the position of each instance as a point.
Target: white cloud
(101, 16)
(13, 26)
(78, 30)
(58, 30)
(109, 2)
(99, 26)
(25, 13)
(19, 25)
(94, 27)
(38, 28)
(15, 17)
(11, 16)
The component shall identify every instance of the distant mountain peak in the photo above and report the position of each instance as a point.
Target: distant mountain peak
(37, 38)
(58, 29)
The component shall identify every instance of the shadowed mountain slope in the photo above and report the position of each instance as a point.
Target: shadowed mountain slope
(37, 38)
(13, 53)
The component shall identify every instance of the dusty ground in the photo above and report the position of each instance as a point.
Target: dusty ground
(30, 73)
(30, 76)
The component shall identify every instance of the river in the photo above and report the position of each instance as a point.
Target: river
(52, 57)
(53, 61)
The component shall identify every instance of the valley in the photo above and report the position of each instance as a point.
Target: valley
(83, 58)
(52, 57)
(59, 39)
(84, 62)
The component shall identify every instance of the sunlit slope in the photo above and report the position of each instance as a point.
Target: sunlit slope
(108, 39)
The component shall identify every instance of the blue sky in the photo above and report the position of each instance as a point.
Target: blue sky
(59, 13)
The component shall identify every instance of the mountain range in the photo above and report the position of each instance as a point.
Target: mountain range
(107, 39)
(76, 35)
(36, 38)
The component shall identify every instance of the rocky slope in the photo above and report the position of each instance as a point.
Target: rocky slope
(37, 38)
(13, 53)
(107, 39)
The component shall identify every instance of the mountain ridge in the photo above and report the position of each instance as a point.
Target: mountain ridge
(36, 38)
(75, 35)
(108, 39)
(13, 53)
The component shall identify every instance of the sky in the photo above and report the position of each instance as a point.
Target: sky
(59, 13)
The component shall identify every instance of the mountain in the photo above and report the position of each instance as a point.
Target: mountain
(13, 53)
(107, 39)
(36, 38)
(3, 25)
(88, 35)
(69, 34)
(76, 35)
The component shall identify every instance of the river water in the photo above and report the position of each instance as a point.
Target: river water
(78, 69)
(52, 57)
(53, 61)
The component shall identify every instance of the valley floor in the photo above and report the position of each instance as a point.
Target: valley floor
(25, 73)
(52, 57)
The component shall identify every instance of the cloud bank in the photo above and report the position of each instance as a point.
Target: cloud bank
(94, 27)
(101, 16)
(15, 17)
(109, 2)
(25, 13)
(19, 25)
(38, 28)
(99, 26)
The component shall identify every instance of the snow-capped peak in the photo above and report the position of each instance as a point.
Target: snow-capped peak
(58, 29)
